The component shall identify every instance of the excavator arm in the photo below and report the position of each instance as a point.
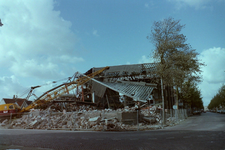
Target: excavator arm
(62, 89)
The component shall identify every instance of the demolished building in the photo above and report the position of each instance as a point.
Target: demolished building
(109, 87)
(115, 90)
(123, 85)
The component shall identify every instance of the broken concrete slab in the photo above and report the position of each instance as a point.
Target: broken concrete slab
(95, 119)
(149, 119)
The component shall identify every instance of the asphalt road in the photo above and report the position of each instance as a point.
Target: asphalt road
(205, 122)
(203, 132)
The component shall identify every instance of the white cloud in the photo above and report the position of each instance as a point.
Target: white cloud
(145, 59)
(10, 86)
(35, 40)
(213, 74)
(36, 45)
(215, 61)
(95, 33)
(32, 68)
(197, 4)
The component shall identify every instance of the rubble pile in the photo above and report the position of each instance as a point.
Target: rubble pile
(171, 120)
(85, 118)
(4, 123)
(151, 115)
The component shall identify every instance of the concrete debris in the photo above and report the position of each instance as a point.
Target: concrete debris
(88, 118)
(4, 123)
(149, 119)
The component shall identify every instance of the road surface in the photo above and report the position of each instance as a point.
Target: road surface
(205, 122)
(203, 132)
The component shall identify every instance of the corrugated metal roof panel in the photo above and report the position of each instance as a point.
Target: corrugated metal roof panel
(140, 92)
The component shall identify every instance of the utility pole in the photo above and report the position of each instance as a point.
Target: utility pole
(163, 109)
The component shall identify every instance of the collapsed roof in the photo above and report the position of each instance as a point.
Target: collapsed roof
(127, 70)
(130, 80)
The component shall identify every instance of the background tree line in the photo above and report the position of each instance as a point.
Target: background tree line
(191, 95)
(219, 99)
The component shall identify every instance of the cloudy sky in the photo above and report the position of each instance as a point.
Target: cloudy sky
(49, 40)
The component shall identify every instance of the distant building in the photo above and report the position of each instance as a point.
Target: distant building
(22, 103)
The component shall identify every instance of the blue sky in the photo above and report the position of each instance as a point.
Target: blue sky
(47, 40)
